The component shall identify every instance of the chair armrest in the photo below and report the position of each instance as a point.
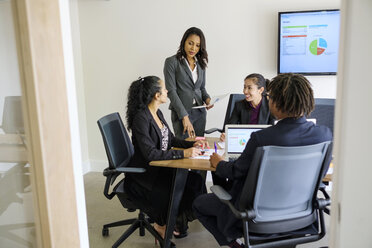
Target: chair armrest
(130, 170)
(212, 130)
(323, 203)
(112, 174)
(108, 171)
(221, 193)
(225, 197)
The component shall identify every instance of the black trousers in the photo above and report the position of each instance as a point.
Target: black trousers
(198, 118)
(155, 202)
(208, 208)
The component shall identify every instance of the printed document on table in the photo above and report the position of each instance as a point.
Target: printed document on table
(221, 144)
(213, 101)
(208, 153)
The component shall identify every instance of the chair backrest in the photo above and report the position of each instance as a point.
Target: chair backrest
(324, 112)
(119, 148)
(12, 115)
(281, 186)
(230, 106)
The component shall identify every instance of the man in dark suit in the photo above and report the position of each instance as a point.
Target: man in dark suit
(290, 100)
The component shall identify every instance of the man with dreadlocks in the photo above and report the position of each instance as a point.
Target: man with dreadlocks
(290, 99)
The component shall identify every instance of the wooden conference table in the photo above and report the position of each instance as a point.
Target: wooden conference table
(182, 167)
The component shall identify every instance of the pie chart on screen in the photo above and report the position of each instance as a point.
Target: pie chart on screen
(318, 46)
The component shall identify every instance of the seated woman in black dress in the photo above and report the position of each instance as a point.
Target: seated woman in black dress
(254, 109)
(152, 140)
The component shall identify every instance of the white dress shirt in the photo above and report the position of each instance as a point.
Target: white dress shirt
(193, 72)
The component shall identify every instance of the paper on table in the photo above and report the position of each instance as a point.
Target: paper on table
(208, 153)
(221, 144)
(213, 101)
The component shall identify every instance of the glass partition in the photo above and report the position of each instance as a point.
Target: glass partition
(17, 227)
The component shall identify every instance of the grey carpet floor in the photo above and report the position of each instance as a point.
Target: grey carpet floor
(101, 211)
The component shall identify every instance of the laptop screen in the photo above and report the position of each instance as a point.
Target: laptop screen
(237, 137)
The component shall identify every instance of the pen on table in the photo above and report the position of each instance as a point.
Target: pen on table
(215, 147)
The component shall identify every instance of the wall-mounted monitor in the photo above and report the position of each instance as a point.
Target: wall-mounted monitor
(308, 42)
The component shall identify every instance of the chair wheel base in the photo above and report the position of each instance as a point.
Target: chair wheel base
(105, 232)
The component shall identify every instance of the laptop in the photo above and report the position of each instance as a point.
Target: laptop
(236, 138)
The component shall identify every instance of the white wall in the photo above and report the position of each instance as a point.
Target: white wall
(351, 198)
(73, 81)
(122, 40)
(79, 82)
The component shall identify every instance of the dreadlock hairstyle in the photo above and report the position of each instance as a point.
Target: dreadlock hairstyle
(291, 94)
(202, 55)
(258, 80)
(140, 94)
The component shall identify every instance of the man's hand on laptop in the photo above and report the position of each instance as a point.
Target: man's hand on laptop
(215, 159)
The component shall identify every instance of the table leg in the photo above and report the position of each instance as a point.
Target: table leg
(179, 182)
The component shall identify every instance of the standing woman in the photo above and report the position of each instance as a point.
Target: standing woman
(184, 75)
(152, 140)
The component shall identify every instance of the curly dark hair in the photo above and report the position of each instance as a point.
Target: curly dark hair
(202, 55)
(258, 80)
(140, 94)
(291, 94)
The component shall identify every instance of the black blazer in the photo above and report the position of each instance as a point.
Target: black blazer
(287, 132)
(146, 139)
(242, 113)
(181, 87)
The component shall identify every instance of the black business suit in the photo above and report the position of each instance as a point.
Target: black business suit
(215, 215)
(151, 190)
(242, 115)
(182, 92)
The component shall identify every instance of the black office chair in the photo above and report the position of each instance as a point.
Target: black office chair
(279, 203)
(230, 107)
(119, 150)
(324, 112)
